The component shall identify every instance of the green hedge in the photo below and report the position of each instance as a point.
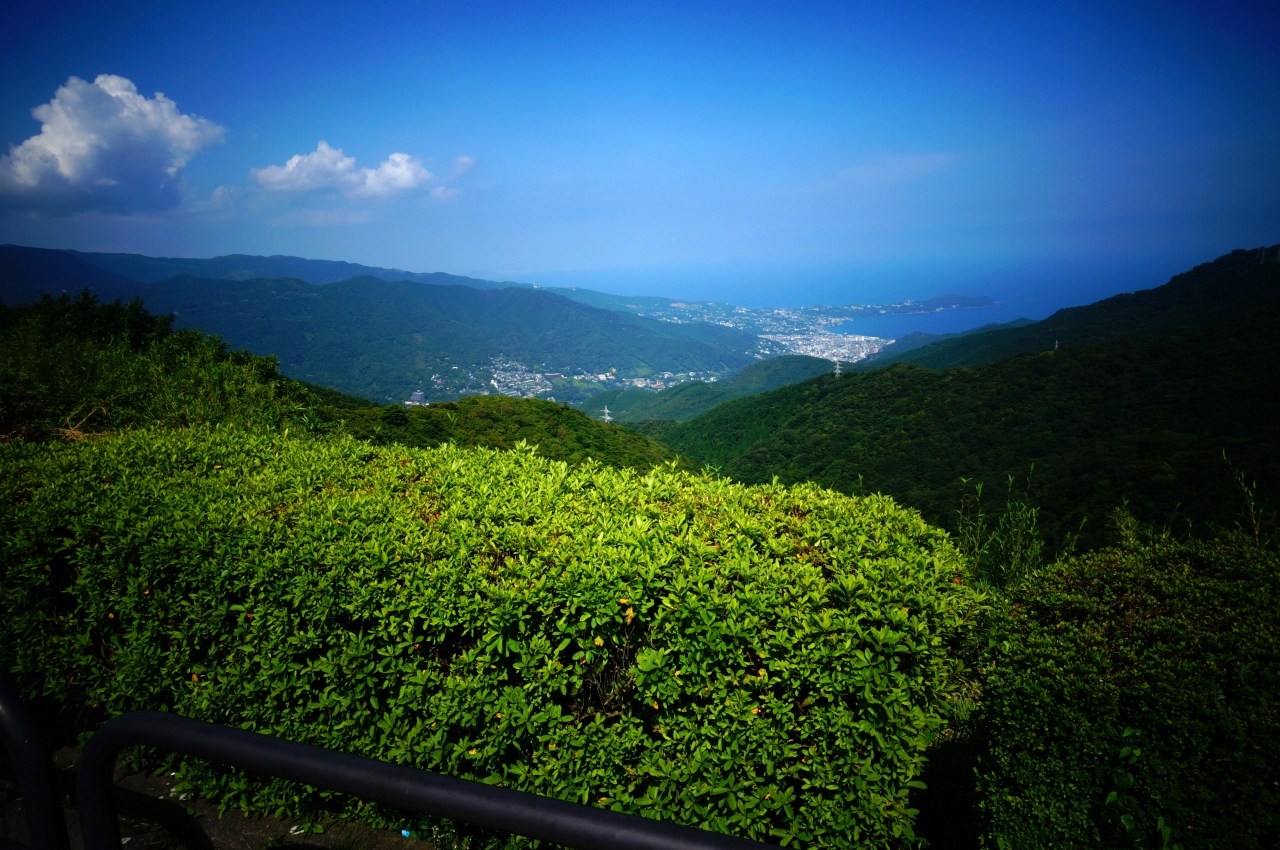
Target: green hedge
(1132, 699)
(768, 661)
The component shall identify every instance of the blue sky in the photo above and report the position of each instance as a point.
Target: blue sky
(766, 154)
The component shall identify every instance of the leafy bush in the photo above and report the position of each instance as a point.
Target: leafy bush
(71, 367)
(766, 661)
(1132, 699)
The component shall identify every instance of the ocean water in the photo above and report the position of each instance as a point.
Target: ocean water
(944, 322)
(1032, 289)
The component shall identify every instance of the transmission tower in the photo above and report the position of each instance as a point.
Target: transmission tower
(606, 417)
(838, 372)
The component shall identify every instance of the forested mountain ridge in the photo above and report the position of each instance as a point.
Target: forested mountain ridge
(28, 273)
(315, 533)
(693, 398)
(916, 339)
(381, 339)
(70, 368)
(144, 269)
(1144, 419)
(1242, 285)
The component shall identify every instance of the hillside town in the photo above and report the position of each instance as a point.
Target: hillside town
(771, 321)
(516, 379)
(513, 378)
(848, 348)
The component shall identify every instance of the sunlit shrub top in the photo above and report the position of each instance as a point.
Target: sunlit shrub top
(769, 661)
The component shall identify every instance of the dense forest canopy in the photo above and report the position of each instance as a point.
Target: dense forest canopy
(70, 367)
(1144, 420)
(1139, 409)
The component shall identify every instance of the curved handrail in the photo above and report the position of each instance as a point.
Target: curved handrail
(46, 827)
(502, 809)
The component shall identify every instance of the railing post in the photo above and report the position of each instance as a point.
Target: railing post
(46, 827)
(502, 809)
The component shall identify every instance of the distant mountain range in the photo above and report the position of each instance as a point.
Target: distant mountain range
(384, 339)
(383, 333)
(1140, 399)
(144, 269)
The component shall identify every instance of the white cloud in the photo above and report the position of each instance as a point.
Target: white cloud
(328, 169)
(462, 164)
(102, 146)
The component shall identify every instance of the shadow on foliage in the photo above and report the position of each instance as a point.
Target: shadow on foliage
(948, 806)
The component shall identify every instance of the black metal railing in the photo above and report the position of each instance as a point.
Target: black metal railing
(500, 809)
(33, 770)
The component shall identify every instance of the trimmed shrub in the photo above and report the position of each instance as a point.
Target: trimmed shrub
(767, 661)
(1132, 699)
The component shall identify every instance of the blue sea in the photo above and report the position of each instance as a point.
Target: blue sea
(945, 322)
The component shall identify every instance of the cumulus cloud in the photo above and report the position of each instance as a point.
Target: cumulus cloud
(462, 164)
(329, 169)
(104, 147)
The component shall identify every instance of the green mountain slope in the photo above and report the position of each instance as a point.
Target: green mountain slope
(1239, 286)
(917, 339)
(383, 339)
(1144, 419)
(28, 273)
(70, 368)
(380, 339)
(694, 398)
(497, 422)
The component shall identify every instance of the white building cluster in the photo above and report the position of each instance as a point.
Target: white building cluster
(512, 378)
(848, 348)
